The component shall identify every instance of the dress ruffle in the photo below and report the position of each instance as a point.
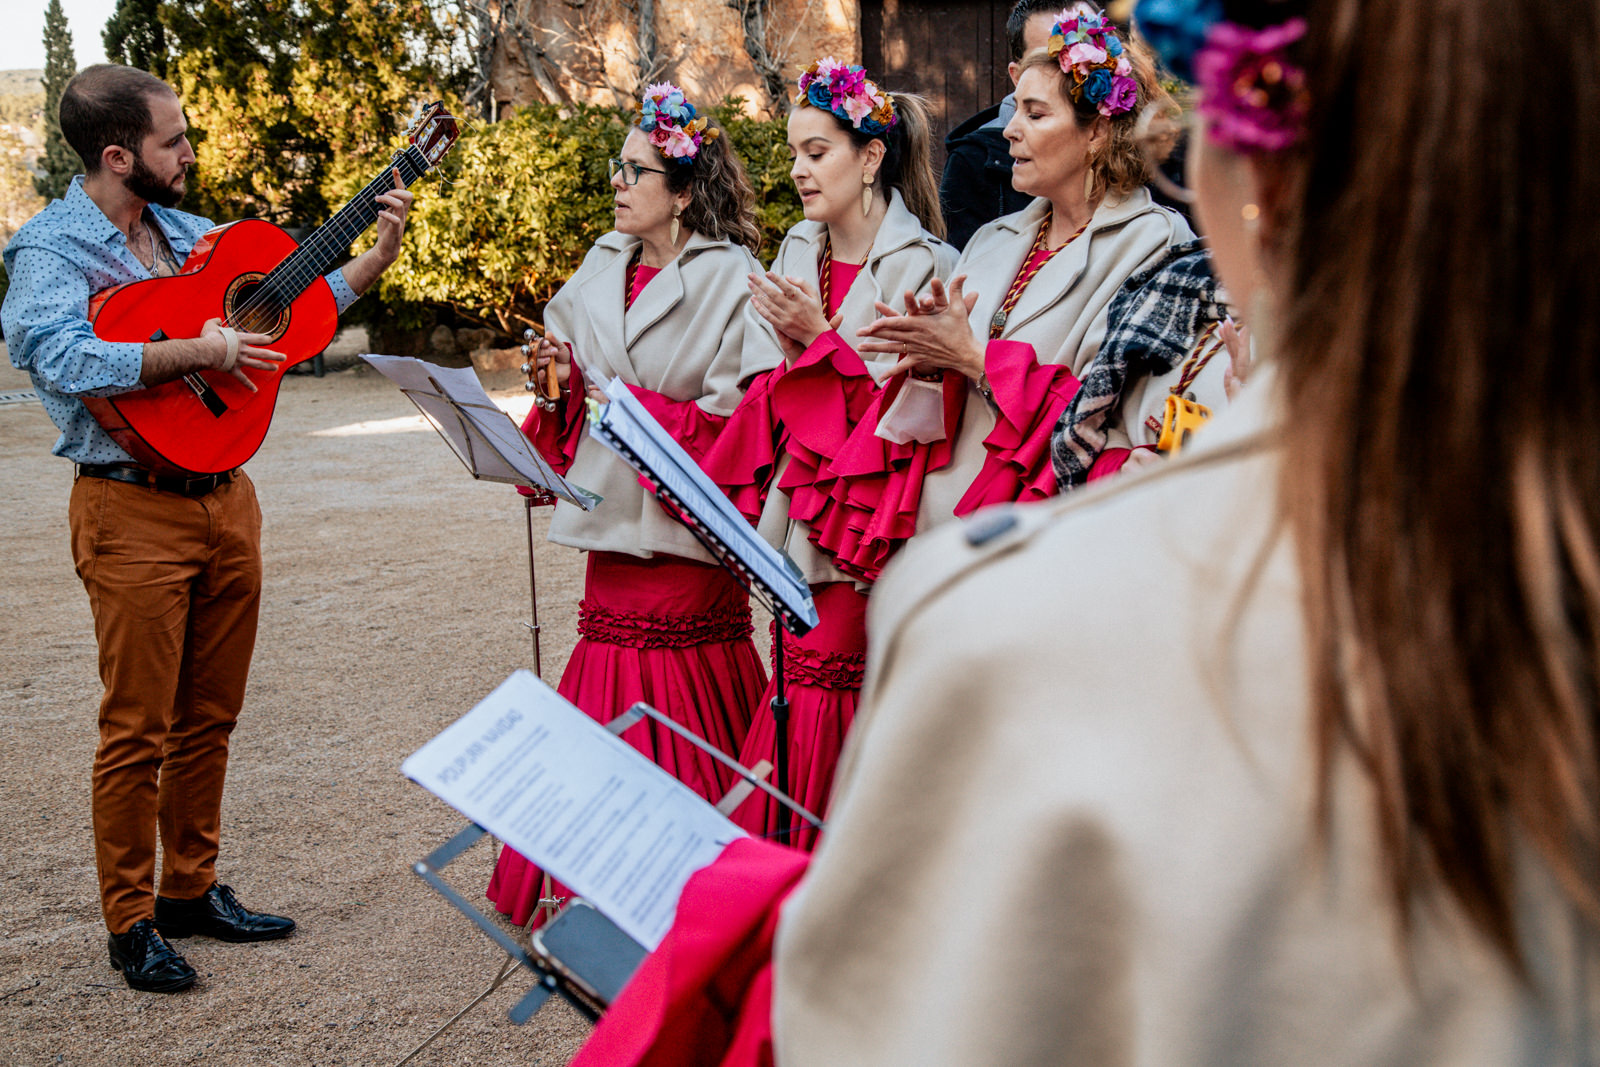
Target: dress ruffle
(1030, 397)
(739, 451)
(643, 629)
(709, 686)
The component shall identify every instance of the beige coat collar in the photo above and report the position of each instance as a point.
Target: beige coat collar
(995, 255)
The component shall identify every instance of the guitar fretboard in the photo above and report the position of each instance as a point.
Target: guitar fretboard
(331, 241)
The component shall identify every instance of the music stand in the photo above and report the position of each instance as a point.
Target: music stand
(588, 964)
(492, 447)
(626, 427)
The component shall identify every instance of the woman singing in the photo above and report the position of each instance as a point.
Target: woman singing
(660, 303)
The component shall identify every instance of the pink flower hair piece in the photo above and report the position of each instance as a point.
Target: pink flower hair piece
(1252, 95)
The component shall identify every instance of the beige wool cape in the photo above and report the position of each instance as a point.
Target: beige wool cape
(1062, 313)
(1068, 844)
(684, 338)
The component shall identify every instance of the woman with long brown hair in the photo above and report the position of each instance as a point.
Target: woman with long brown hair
(1318, 780)
(1287, 751)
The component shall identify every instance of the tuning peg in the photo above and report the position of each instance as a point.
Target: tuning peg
(529, 386)
(527, 335)
(527, 368)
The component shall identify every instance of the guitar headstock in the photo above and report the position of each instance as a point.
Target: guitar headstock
(433, 130)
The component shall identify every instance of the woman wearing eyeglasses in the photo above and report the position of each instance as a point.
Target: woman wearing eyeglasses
(1007, 343)
(864, 171)
(659, 303)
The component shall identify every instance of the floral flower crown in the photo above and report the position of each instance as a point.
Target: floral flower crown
(1252, 94)
(670, 121)
(1088, 48)
(847, 93)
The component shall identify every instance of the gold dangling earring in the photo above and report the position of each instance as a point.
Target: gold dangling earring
(676, 225)
(1088, 178)
(866, 194)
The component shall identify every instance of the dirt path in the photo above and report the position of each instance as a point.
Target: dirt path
(396, 589)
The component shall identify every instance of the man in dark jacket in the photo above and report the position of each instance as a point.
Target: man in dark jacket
(976, 188)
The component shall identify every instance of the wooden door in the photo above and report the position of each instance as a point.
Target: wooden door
(953, 52)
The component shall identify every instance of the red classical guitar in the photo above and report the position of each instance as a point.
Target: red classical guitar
(254, 277)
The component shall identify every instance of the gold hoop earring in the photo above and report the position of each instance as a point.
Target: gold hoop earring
(866, 194)
(677, 226)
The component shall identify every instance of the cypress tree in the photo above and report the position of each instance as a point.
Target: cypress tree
(135, 36)
(58, 161)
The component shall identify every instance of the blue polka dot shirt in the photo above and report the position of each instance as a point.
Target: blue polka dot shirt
(63, 256)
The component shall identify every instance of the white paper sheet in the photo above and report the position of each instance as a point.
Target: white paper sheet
(586, 806)
(484, 438)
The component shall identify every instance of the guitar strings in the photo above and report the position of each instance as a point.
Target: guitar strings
(260, 312)
(262, 309)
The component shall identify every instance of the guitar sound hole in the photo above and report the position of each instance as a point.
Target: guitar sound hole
(250, 310)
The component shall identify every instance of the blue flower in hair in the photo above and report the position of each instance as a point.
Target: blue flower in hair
(1176, 29)
(1097, 86)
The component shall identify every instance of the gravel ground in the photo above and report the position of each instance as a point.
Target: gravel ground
(396, 594)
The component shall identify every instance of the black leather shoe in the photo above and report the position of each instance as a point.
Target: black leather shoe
(147, 962)
(217, 913)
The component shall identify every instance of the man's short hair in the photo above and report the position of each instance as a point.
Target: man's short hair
(108, 104)
(1017, 21)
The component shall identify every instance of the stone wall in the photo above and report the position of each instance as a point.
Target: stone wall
(553, 50)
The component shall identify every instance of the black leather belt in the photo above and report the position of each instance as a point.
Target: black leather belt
(199, 485)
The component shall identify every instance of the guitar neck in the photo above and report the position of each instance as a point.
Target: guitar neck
(332, 240)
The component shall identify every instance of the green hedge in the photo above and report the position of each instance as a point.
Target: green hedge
(517, 204)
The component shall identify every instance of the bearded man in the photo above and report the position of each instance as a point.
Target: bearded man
(172, 566)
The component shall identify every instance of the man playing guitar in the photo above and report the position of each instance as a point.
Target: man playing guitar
(172, 565)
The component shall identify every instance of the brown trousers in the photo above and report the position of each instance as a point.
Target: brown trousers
(174, 584)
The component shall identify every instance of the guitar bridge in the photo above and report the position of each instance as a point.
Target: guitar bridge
(208, 396)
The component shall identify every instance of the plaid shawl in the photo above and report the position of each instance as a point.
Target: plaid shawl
(1150, 326)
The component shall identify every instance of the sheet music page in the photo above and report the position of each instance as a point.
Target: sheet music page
(586, 806)
(625, 426)
(490, 444)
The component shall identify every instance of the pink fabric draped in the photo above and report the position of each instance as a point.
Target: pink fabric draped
(704, 996)
(823, 672)
(877, 489)
(1030, 397)
(1109, 462)
(671, 632)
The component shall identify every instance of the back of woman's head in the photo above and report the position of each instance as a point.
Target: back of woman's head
(903, 123)
(1432, 225)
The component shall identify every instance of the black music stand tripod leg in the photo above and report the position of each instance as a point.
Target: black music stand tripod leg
(780, 725)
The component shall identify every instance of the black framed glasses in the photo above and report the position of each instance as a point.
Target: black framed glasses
(630, 171)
